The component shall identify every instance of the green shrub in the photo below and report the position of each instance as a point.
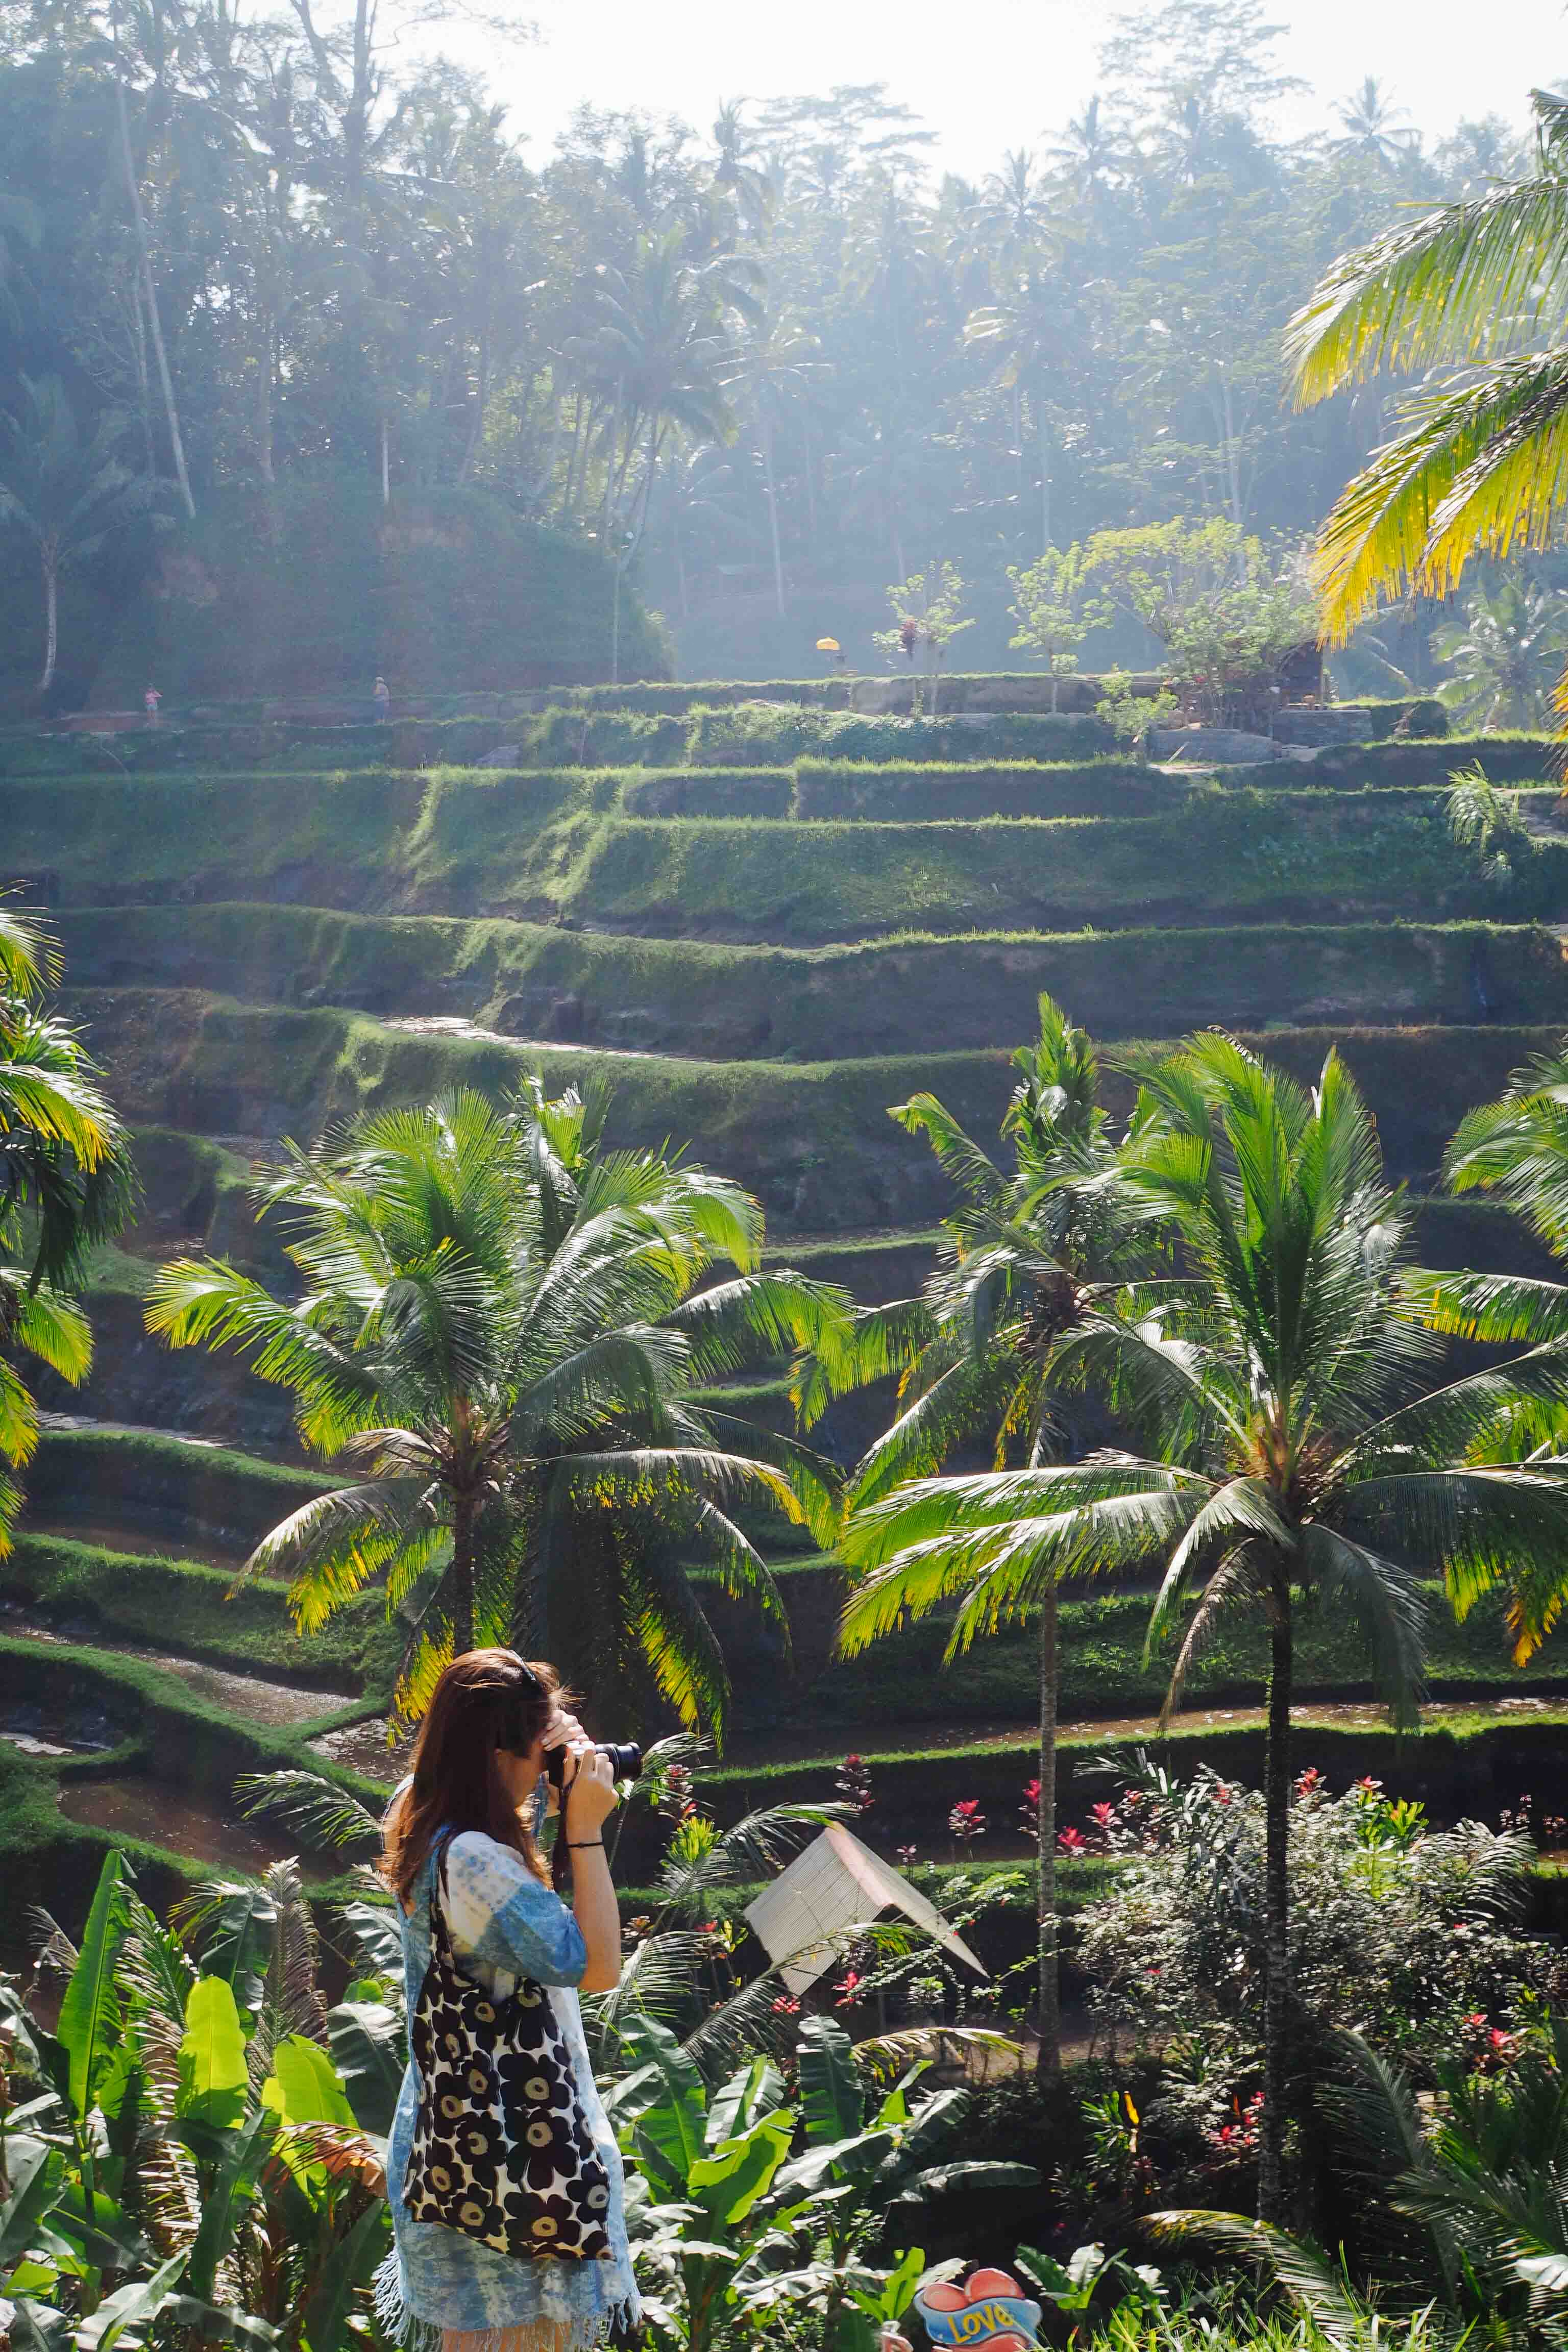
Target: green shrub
(766, 734)
(1422, 716)
(909, 791)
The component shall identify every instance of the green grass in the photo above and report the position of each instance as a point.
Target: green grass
(887, 996)
(216, 1491)
(565, 845)
(196, 1610)
(813, 1139)
(903, 1679)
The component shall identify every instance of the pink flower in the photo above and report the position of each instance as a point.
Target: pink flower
(785, 2007)
(1104, 1815)
(1071, 1840)
(849, 1989)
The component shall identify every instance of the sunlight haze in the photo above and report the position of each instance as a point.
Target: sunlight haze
(994, 76)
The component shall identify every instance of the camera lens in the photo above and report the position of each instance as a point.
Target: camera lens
(624, 1755)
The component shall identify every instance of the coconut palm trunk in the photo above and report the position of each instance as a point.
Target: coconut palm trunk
(1277, 1908)
(1048, 2057)
(462, 1573)
(49, 561)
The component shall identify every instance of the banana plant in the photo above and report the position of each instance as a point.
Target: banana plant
(189, 2154)
(865, 2162)
(703, 2160)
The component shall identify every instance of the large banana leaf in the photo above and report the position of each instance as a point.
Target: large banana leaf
(213, 2078)
(832, 2103)
(34, 2169)
(90, 2020)
(369, 2049)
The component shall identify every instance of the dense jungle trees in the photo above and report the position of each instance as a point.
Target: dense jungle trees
(777, 366)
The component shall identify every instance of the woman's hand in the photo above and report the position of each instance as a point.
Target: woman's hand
(591, 1795)
(562, 1730)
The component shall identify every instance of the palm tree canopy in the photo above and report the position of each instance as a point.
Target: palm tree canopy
(66, 1186)
(1020, 1255)
(1282, 1384)
(62, 490)
(1480, 463)
(502, 1330)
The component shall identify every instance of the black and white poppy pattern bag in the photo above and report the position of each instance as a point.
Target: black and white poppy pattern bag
(501, 2148)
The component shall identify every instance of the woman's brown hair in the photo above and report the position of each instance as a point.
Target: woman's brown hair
(485, 1701)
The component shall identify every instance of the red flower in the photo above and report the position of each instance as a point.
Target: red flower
(1070, 1841)
(848, 1991)
(785, 2007)
(1104, 1815)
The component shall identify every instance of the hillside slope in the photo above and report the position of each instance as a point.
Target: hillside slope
(763, 959)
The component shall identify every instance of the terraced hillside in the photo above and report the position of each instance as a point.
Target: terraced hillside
(765, 940)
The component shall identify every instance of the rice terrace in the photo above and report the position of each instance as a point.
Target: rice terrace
(783, 1003)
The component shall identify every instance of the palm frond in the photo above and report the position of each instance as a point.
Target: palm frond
(1438, 289)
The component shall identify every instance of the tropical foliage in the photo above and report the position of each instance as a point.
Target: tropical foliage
(182, 2153)
(1463, 298)
(66, 1186)
(774, 358)
(502, 1331)
(1302, 1446)
(1024, 1259)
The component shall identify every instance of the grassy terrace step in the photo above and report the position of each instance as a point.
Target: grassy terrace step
(889, 997)
(1467, 1762)
(196, 1609)
(813, 1140)
(149, 1477)
(902, 1681)
(163, 1730)
(580, 848)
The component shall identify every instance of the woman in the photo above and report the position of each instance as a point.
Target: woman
(462, 1834)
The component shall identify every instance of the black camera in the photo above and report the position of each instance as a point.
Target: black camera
(624, 1756)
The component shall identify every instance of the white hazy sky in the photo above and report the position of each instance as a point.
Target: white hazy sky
(989, 75)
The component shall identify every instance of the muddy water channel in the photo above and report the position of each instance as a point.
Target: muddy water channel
(182, 1823)
(256, 1698)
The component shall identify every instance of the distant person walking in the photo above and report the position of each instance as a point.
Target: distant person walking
(383, 701)
(150, 702)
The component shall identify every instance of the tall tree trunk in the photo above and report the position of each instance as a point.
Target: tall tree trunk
(143, 381)
(766, 441)
(386, 465)
(481, 400)
(150, 295)
(51, 569)
(264, 400)
(1277, 1915)
(462, 1574)
(1044, 433)
(1049, 2058)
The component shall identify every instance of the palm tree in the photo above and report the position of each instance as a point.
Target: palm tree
(1486, 2188)
(66, 1186)
(1296, 1449)
(1024, 1258)
(1476, 464)
(1087, 154)
(1370, 125)
(656, 353)
(68, 494)
(501, 1331)
(1516, 1149)
(1504, 655)
(775, 364)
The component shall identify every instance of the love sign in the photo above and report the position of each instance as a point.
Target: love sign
(990, 2309)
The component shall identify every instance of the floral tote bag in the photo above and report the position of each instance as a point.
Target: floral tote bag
(501, 2148)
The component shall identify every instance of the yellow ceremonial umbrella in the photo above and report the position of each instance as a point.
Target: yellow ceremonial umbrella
(828, 645)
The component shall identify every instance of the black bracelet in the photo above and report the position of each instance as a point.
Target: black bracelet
(584, 1845)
